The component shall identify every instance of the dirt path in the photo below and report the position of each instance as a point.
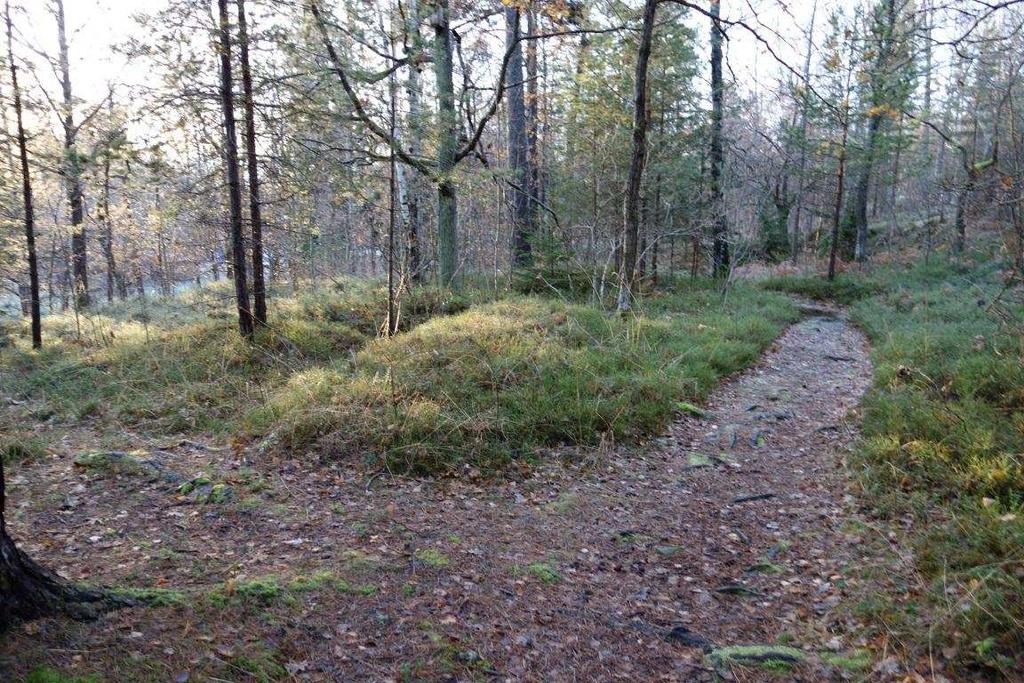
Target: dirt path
(632, 566)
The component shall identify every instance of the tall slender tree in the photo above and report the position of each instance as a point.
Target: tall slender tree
(720, 228)
(637, 159)
(72, 166)
(447, 148)
(28, 210)
(234, 184)
(259, 286)
(518, 146)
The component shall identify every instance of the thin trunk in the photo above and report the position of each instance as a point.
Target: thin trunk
(720, 247)
(28, 210)
(259, 286)
(415, 125)
(72, 170)
(796, 241)
(447, 201)
(227, 100)
(881, 65)
(518, 146)
(392, 321)
(837, 208)
(533, 117)
(108, 230)
(636, 165)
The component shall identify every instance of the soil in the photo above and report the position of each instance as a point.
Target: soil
(624, 564)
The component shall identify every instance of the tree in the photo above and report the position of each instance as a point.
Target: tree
(28, 212)
(72, 168)
(720, 245)
(519, 149)
(887, 91)
(234, 185)
(259, 287)
(637, 159)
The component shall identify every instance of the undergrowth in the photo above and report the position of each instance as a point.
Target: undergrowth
(502, 380)
(845, 289)
(942, 443)
(177, 365)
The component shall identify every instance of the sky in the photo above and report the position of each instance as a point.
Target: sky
(95, 25)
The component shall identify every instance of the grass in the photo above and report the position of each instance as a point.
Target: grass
(169, 366)
(470, 383)
(942, 441)
(505, 380)
(845, 289)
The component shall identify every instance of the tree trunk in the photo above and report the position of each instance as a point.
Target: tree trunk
(518, 146)
(227, 100)
(720, 244)
(415, 125)
(259, 286)
(28, 211)
(447, 202)
(882, 63)
(837, 208)
(636, 165)
(533, 118)
(72, 170)
(27, 591)
(108, 230)
(796, 241)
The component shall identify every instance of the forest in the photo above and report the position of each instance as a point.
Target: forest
(542, 340)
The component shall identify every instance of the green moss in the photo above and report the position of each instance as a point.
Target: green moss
(46, 674)
(152, 597)
(544, 572)
(432, 558)
(858, 660)
(771, 657)
(942, 437)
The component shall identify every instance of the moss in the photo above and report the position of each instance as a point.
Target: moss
(772, 657)
(152, 597)
(432, 558)
(858, 660)
(544, 572)
(46, 674)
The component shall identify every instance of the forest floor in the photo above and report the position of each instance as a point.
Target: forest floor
(652, 563)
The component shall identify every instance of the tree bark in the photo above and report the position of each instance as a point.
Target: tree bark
(720, 243)
(259, 286)
(72, 170)
(533, 118)
(882, 63)
(227, 100)
(447, 201)
(28, 591)
(108, 230)
(26, 196)
(637, 159)
(518, 146)
(837, 207)
(796, 241)
(413, 227)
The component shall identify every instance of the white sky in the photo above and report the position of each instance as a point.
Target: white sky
(95, 25)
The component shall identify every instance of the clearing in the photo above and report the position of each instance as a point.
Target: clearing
(653, 562)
